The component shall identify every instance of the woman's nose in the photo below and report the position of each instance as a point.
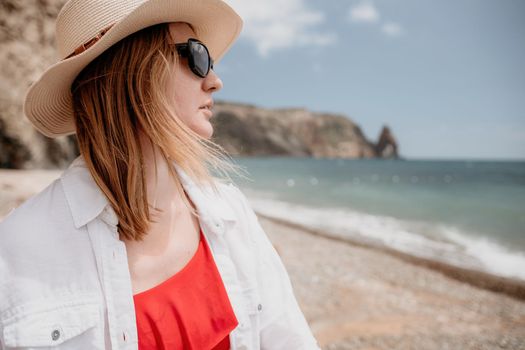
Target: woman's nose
(212, 81)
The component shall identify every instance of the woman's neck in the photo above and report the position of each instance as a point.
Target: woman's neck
(161, 190)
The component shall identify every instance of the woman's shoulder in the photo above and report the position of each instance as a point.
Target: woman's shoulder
(234, 196)
(37, 216)
(228, 188)
(34, 207)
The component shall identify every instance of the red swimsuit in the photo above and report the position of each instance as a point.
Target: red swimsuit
(189, 310)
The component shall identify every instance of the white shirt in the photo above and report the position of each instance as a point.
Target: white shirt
(65, 281)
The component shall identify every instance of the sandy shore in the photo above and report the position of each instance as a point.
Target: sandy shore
(356, 297)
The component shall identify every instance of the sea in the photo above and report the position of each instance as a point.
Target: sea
(468, 213)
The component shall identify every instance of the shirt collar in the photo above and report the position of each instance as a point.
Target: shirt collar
(87, 201)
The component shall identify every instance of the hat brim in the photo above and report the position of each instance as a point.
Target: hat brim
(48, 102)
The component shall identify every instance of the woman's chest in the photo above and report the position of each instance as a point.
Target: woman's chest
(151, 264)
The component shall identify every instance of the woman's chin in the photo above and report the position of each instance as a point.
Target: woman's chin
(205, 131)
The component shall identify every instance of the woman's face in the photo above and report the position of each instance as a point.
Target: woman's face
(189, 92)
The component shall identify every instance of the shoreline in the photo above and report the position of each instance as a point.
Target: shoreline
(358, 297)
(480, 279)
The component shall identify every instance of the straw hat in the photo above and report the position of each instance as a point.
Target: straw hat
(86, 28)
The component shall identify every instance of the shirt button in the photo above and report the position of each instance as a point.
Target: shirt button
(259, 307)
(125, 336)
(55, 334)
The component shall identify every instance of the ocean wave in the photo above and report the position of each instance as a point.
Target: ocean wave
(440, 242)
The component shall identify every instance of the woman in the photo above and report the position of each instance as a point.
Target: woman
(136, 244)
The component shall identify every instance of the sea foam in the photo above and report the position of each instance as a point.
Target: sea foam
(438, 242)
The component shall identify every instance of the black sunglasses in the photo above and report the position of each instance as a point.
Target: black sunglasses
(198, 56)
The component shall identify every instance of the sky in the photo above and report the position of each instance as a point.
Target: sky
(447, 77)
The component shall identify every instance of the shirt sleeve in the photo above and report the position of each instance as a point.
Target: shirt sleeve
(282, 323)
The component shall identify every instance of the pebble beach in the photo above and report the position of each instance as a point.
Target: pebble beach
(359, 298)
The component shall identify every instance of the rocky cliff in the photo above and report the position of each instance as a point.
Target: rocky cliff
(26, 49)
(253, 131)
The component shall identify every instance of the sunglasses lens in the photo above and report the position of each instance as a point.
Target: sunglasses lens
(201, 59)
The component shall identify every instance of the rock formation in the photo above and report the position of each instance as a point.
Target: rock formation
(26, 49)
(386, 146)
(247, 130)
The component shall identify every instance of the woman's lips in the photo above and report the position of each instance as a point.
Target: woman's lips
(206, 111)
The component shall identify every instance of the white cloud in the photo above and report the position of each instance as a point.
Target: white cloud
(392, 29)
(364, 12)
(281, 24)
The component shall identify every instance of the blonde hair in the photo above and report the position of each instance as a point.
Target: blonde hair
(124, 91)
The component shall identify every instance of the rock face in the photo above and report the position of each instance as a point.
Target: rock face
(247, 130)
(27, 48)
(386, 147)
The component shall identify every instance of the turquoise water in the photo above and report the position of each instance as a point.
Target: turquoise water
(469, 204)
